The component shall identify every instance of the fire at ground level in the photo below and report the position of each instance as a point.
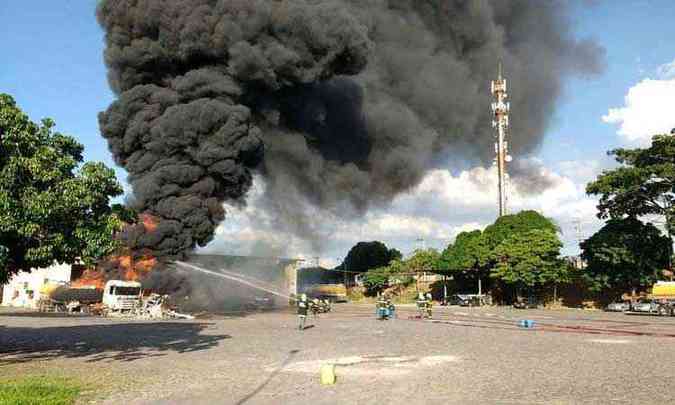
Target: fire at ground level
(474, 355)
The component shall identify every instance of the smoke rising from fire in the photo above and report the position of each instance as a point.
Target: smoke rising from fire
(186, 74)
(338, 104)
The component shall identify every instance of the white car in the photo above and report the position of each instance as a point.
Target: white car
(645, 305)
(618, 306)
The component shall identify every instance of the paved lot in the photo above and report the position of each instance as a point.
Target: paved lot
(467, 355)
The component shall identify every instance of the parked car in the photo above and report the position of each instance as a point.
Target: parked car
(618, 306)
(645, 305)
(529, 302)
(469, 300)
(463, 300)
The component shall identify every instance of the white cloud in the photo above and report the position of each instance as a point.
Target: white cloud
(666, 71)
(442, 206)
(582, 171)
(649, 110)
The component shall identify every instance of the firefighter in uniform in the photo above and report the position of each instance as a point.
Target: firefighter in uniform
(381, 308)
(429, 303)
(421, 305)
(390, 307)
(315, 306)
(303, 306)
(325, 305)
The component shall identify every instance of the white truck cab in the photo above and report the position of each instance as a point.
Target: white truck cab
(122, 296)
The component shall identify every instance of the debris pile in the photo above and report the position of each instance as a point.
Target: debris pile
(156, 306)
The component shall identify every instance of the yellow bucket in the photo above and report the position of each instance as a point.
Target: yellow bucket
(327, 374)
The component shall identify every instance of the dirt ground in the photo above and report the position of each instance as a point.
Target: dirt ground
(468, 355)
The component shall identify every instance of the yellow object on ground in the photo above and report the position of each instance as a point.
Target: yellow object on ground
(328, 374)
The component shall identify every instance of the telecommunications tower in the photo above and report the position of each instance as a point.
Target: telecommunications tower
(500, 121)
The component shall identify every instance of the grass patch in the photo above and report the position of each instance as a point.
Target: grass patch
(38, 391)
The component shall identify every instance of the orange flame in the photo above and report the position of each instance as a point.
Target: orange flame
(135, 270)
(130, 268)
(149, 222)
(90, 278)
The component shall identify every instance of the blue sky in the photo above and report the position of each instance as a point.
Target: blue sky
(51, 62)
(637, 36)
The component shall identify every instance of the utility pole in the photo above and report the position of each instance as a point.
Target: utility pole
(421, 243)
(500, 121)
(578, 230)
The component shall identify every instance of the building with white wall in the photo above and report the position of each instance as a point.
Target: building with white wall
(23, 289)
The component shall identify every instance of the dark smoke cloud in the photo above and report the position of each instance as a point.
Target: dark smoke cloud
(530, 177)
(186, 74)
(354, 100)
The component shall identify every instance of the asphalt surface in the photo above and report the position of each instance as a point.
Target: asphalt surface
(467, 355)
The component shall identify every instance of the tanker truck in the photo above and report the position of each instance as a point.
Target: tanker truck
(330, 292)
(56, 297)
(116, 297)
(663, 298)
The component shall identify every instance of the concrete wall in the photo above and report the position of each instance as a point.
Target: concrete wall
(23, 290)
(291, 278)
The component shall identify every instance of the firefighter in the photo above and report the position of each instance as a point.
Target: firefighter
(421, 305)
(315, 306)
(381, 308)
(429, 304)
(303, 305)
(390, 307)
(325, 305)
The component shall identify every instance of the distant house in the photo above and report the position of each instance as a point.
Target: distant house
(23, 289)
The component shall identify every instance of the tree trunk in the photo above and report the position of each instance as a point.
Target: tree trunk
(480, 286)
(555, 293)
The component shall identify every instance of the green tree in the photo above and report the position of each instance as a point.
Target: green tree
(467, 258)
(51, 208)
(365, 256)
(642, 185)
(521, 222)
(376, 280)
(423, 260)
(529, 259)
(625, 255)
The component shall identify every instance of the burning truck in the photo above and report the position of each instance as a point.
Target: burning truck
(117, 299)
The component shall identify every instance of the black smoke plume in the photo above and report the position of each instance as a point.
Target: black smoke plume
(339, 104)
(186, 74)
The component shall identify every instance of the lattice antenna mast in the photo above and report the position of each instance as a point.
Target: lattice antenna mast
(500, 122)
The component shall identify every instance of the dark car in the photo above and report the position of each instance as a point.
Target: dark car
(526, 303)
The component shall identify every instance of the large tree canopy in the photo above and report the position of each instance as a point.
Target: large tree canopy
(51, 208)
(365, 256)
(625, 254)
(521, 222)
(530, 258)
(468, 253)
(467, 259)
(423, 260)
(642, 185)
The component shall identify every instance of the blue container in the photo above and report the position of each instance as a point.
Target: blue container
(526, 323)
